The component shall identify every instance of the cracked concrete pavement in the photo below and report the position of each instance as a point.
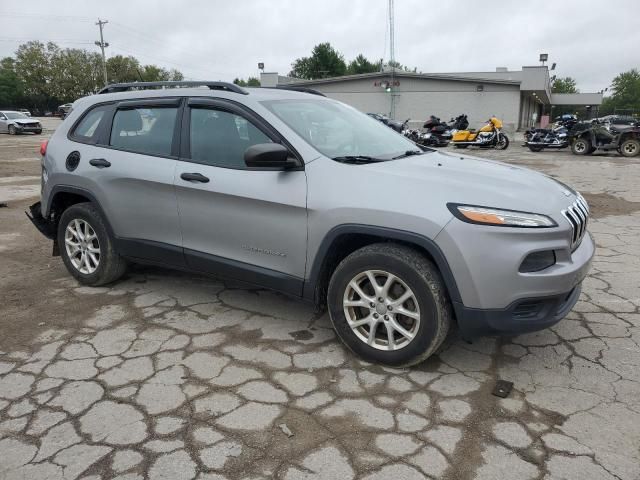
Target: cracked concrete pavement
(167, 375)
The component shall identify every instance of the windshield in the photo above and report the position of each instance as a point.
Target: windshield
(14, 115)
(337, 130)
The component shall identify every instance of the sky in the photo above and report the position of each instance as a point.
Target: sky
(221, 40)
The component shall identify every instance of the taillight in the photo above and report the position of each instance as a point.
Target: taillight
(43, 148)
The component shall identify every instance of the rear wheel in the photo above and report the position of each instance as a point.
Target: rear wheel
(388, 304)
(460, 146)
(630, 147)
(581, 146)
(86, 247)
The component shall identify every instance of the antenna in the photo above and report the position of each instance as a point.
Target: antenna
(392, 60)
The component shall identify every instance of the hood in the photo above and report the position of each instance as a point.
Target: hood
(448, 177)
(24, 121)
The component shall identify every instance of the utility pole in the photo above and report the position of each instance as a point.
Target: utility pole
(102, 44)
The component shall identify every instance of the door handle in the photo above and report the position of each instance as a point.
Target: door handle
(194, 177)
(100, 162)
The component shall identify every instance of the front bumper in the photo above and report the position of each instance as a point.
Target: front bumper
(28, 128)
(526, 315)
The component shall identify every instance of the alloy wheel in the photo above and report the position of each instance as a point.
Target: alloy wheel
(580, 146)
(82, 246)
(381, 310)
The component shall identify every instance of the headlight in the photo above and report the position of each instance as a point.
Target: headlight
(500, 218)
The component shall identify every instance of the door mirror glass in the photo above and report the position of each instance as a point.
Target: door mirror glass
(268, 155)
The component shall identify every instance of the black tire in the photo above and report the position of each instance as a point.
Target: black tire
(630, 147)
(420, 275)
(581, 146)
(12, 130)
(38, 132)
(111, 265)
(503, 144)
(535, 148)
(460, 146)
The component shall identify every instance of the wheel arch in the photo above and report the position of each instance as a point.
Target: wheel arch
(64, 196)
(344, 239)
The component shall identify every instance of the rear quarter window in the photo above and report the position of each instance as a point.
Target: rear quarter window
(86, 130)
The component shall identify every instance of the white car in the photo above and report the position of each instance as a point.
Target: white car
(13, 123)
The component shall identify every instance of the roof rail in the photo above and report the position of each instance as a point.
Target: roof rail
(295, 88)
(123, 87)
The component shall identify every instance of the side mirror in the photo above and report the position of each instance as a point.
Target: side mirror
(268, 155)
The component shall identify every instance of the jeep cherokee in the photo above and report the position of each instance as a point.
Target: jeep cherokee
(302, 194)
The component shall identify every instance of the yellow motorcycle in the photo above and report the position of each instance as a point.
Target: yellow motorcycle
(489, 136)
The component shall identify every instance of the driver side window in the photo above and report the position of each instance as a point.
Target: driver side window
(220, 138)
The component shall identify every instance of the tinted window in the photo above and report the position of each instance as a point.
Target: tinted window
(144, 130)
(220, 138)
(87, 129)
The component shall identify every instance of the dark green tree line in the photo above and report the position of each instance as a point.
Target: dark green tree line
(41, 77)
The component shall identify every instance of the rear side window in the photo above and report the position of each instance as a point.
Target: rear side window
(87, 129)
(220, 138)
(144, 130)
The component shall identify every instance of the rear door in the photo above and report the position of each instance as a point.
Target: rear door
(247, 224)
(130, 169)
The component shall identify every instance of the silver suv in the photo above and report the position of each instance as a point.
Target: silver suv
(302, 194)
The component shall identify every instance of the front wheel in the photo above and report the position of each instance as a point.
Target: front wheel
(630, 148)
(12, 130)
(87, 248)
(581, 146)
(503, 142)
(389, 305)
(535, 148)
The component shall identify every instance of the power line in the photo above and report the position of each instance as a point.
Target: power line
(41, 16)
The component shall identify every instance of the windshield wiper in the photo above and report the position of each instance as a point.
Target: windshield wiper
(409, 153)
(358, 159)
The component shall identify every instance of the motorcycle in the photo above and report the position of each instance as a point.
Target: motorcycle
(537, 139)
(489, 136)
(437, 133)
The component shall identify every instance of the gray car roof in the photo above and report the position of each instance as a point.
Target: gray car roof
(254, 95)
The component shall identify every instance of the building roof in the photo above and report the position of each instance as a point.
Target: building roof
(403, 74)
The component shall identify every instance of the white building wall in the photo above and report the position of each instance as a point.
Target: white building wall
(416, 99)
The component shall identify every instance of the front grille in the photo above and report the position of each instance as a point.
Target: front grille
(578, 216)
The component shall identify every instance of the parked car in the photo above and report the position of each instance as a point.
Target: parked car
(620, 121)
(393, 124)
(307, 196)
(13, 123)
(25, 111)
(63, 110)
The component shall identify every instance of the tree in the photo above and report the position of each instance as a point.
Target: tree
(10, 86)
(325, 61)
(399, 66)
(625, 92)
(75, 73)
(33, 68)
(122, 69)
(249, 82)
(361, 64)
(564, 85)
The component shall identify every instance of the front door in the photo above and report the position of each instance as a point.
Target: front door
(242, 223)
